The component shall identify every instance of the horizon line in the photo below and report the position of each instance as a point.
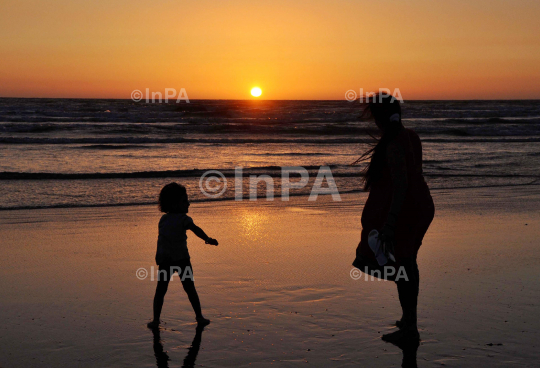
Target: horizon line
(254, 100)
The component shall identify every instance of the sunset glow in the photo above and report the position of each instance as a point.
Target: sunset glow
(301, 50)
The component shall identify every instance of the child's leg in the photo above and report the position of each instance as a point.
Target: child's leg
(161, 290)
(189, 288)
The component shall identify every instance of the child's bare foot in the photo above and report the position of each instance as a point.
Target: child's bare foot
(201, 321)
(153, 325)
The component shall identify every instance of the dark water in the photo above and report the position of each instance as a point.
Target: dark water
(69, 153)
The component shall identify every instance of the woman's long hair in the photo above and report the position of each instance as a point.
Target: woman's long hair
(380, 108)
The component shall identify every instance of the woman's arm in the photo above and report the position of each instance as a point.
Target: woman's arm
(395, 155)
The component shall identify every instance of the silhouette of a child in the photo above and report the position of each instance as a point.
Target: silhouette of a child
(172, 253)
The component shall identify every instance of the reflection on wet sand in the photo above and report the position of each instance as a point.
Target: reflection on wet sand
(162, 358)
(409, 349)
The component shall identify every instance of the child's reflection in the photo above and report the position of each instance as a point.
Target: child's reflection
(162, 358)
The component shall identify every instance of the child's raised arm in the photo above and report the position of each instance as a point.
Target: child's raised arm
(201, 234)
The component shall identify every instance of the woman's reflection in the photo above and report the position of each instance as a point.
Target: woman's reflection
(409, 348)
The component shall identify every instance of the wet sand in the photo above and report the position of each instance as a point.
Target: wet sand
(278, 288)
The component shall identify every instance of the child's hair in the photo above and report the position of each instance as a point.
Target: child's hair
(171, 197)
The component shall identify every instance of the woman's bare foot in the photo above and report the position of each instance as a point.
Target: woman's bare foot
(201, 321)
(405, 333)
(153, 325)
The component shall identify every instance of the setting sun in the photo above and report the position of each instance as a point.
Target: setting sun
(256, 91)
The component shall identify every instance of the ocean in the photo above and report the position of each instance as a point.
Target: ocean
(91, 152)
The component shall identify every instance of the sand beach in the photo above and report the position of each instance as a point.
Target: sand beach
(278, 288)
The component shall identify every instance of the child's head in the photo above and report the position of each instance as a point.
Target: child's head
(173, 198)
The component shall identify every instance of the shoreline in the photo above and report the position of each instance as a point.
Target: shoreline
(262, 198)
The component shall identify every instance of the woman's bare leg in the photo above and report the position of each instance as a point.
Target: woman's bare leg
(408, 297)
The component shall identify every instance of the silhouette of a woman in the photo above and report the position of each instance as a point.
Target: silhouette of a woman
(399, 206)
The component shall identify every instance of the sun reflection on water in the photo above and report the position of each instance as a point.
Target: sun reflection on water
(254, 225)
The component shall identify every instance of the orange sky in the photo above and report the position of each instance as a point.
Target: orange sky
(292, 49)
